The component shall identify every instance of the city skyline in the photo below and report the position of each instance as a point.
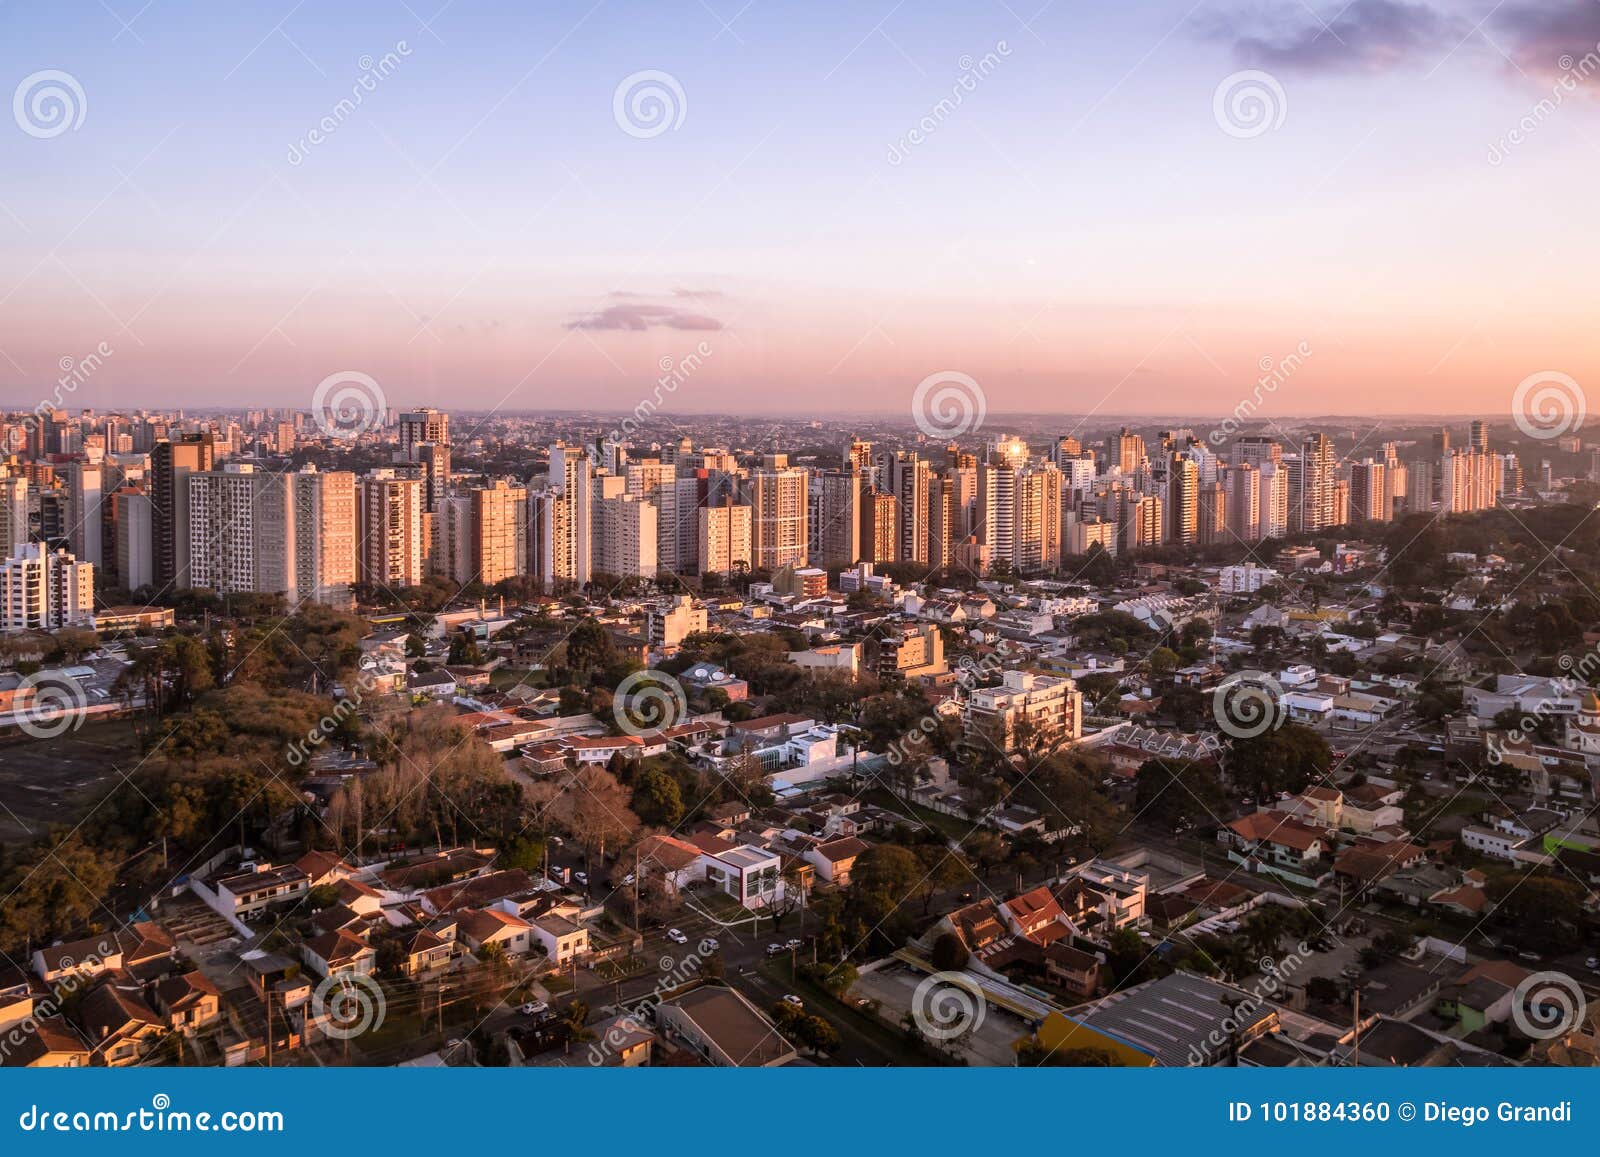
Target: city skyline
(835, 209)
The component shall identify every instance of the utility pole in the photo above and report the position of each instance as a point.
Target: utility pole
(1355, 1039)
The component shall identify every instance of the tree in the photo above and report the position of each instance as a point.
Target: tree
(591, 805)
(817, 1034)
(1179, 791)
(949, 954)
(1542, 913)
(657, 799)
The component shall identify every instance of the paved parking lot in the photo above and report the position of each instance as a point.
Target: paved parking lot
(893, 987)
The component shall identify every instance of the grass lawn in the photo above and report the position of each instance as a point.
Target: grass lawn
(956, 829)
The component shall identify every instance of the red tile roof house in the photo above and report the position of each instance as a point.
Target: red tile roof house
(489, 926)
(121, 1028)
(338, 952)
(1273, 843)
(189, 1001)
(836, 859)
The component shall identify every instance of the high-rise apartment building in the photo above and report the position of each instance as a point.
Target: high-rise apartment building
(776, 495)
(171, 464)
(242, 531)
(45, 590)
(390, 548)
(324, 534)
(497, 532)
(724, 533)
(1369, 492)
(1183, 500)
(835, 517)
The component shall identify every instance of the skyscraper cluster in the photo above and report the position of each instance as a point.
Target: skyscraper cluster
(160, 502)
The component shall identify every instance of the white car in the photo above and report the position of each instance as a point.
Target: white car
(774, 949)
(534, 1008)
(676, 937)
(582, 878)
(1592, 964)
(791, 998)
(711, 944)
(792, 944)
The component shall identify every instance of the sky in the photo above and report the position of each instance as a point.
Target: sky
(1084, 207)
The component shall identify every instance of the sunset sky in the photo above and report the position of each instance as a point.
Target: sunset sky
(1081, 232)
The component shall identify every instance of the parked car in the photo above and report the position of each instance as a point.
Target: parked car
(791, 998)
(1592, 964)
(775, 949)
(582, 878)
(676, 936)
(792, 943)
(711, 943)
(534, 1008)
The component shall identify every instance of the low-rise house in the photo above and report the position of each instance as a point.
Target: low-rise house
(257, 887)
(425, 953)
(723, 1028)
(835, 859)
(481, 927)
(45, 1042)
(562, 938)
(121, 1028)
(189, 1001)
(1275, 843)
(338, 952)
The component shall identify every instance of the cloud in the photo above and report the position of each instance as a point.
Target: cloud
(639, 316)
(1552, 38)
(1369, 35)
